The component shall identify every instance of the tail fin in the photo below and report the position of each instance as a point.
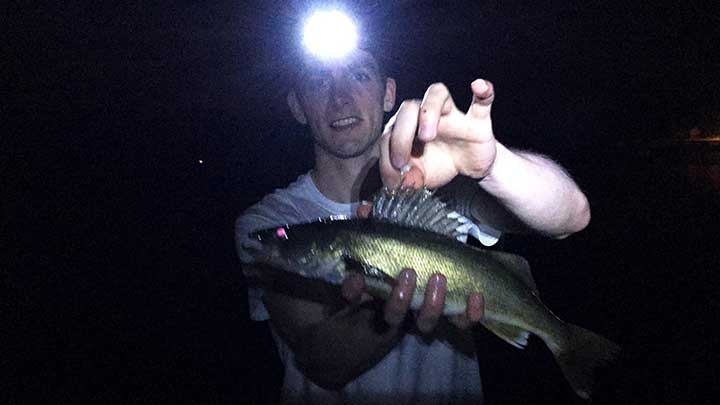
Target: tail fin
(581, 353)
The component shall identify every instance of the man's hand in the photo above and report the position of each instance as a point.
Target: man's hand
(398, 304)
(439, 140)
(427, 317)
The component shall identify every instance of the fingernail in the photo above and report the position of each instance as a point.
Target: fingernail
(404, 280)
(434, 284)
(477, 312)
(402, 283)
(364, 210)
(408, 182)
(425, 131)
(482, 85)
(397, 161)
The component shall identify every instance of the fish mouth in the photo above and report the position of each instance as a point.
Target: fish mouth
(345, 123)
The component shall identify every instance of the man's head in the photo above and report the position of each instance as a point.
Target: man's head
(343, 102)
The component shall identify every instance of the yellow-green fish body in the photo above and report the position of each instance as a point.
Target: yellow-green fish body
(399, 238)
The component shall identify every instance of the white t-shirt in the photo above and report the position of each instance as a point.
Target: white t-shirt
(417, 371)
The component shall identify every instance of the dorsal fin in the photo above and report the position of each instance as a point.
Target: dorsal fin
(415, 209)
(517, 264)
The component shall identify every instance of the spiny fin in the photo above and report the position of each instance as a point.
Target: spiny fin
(517, 337)
(415, 209)
(517, 264)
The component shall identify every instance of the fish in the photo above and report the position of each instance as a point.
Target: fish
(411, 228)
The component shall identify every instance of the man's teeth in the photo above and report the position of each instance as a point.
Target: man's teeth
(344, 122)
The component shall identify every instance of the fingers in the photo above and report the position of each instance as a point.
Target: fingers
(364, 210)
(483, 97)
(474, 312)
(387, 171)
(413, 178)
(352, 288)
(403, 133)
(432, 306)
(409, 134)
(392, 177)
(436, 103)
(476, 124)
(397, 305)
(421, 118)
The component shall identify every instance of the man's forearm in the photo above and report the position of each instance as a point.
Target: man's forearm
(537, 192)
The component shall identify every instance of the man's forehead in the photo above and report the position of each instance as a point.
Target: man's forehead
(358, 58)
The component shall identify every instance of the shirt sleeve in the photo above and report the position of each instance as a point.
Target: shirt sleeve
(245, 224)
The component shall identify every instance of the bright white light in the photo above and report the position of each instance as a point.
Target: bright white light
(330, 34)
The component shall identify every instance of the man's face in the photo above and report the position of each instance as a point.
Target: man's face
(343, 103)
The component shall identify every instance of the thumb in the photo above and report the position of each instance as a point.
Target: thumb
(364, 210)
(483, 96)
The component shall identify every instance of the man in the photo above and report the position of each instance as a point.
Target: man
(341, 351)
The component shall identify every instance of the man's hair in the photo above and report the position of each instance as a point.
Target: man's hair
(295, 73)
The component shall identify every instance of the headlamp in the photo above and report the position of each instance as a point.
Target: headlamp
(330, 35)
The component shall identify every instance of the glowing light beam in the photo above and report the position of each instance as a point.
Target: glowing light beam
(330, 34)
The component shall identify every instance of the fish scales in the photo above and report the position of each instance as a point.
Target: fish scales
(392, 248)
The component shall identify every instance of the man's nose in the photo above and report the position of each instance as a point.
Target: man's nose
(340, 92)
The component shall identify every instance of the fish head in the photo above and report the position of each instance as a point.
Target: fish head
(304, 249)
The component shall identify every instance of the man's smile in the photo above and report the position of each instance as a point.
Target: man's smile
(344, 123)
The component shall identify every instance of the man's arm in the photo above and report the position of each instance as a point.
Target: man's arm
(523, 191)
(330, 349)
(537, 193)
(334, 344)
(334, 338)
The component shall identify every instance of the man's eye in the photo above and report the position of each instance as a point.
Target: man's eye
(362, 76)
(314, 83)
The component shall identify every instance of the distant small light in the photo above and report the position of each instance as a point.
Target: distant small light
(330, 34)
(200, 161)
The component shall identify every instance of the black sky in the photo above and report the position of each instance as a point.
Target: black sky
(126, 283)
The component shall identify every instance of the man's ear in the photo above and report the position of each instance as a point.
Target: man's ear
(295, 108)
(389, 100)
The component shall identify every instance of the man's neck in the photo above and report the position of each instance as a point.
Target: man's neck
(340, 179)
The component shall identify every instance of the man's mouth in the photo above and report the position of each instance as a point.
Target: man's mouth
(344, 123)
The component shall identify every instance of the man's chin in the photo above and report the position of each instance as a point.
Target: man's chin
(346, 152)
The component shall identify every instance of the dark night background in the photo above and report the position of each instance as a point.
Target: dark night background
(124, 284)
